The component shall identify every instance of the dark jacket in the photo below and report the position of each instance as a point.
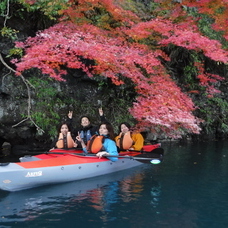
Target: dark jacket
(85, 132)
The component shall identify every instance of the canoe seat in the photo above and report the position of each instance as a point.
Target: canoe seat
(28, 158)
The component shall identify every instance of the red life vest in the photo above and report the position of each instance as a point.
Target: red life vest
(95, 144)
(124, 141)
(65, 141)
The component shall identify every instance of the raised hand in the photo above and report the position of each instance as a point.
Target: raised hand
(78, 137)
(70, 114)
(101, 113)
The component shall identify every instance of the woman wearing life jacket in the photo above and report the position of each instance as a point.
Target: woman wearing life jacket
(64, 140)
(102, 144)
(128, 140)
(87, 130)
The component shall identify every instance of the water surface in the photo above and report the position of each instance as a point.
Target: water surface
(189, 189)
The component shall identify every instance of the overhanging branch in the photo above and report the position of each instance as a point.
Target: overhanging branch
(28, 85)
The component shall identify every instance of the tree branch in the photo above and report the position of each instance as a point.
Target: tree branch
(7, 13)
(28, 85)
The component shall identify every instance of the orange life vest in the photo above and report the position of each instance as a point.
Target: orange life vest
(65, 141)
(124, 141)
(95, 144)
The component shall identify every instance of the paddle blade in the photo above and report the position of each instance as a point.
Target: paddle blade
(156, 153)
(151, 158)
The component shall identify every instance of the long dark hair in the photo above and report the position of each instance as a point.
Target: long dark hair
(64, 123)
(126, 124)
(109, 127)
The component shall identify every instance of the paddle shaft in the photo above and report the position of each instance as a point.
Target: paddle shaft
(158, 150)
(122, 156)
(117, 156)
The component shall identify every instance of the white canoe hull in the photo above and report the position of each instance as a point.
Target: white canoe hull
(33, 172)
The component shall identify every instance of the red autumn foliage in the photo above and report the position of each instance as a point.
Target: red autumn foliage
(120, 51)
(217, 9)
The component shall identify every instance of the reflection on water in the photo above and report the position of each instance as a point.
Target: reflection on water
(188, 189)
(99, 194)
(155, 195)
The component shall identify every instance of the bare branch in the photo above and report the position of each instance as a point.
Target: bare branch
(7, 13)
(28, 85)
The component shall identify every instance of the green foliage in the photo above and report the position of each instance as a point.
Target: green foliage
(15, 51)
(190, 71)
(101, 82)
(215, 113)
(144, 9)
(119, 98)
(43, 113)
(120, 113)
(50, 103)
(204, 23)
(3, 7)
(50, 8)
(9, 33)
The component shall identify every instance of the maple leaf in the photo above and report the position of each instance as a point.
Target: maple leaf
(119, 43)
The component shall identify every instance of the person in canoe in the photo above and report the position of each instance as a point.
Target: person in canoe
(86, 130)
(101, 144)
(128, 139)
(64, 140)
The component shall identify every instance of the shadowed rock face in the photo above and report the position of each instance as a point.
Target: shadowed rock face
(13, 106)
(16, 128)
(20, 133)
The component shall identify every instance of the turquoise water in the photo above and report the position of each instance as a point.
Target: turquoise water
(189, 189)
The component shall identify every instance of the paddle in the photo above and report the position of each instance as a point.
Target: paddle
(157, 151)
(147, 159)
(154, 153)
(144, 158)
